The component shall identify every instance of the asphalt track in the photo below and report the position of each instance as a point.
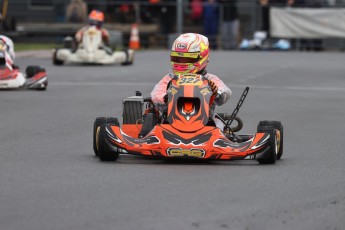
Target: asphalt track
(50, 179)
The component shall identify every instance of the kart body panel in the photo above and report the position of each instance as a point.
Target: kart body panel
(164, 141)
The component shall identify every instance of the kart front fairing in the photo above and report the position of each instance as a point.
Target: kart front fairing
(164, 141)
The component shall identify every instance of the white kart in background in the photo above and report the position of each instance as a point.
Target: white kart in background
(92, 51)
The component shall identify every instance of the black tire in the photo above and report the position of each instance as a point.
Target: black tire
(103, 152)
(56, 61)
(32, 70)
(277, 125)
(97, 123)
(270, 156)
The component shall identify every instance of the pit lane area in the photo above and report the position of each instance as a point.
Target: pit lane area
(50, 178)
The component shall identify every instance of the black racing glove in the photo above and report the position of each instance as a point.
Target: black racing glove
(165, 98)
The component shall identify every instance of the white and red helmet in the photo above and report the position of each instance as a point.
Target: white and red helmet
(189, 53)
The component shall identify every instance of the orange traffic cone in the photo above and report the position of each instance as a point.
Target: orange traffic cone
(134, 41)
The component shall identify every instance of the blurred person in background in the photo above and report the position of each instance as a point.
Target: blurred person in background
(167, 16)
(196, 8)
(210, 21)
(76, 11)
(265, 11)
(230, 25)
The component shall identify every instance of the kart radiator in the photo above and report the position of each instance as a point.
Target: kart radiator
(133, 108)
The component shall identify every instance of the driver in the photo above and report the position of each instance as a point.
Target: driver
(7, 45)
(96, 18)
(190, 54)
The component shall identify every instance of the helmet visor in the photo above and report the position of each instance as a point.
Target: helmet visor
(179, 57)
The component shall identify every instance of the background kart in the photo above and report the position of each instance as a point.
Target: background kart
(91, 51)
(186, 131)
(35, 77)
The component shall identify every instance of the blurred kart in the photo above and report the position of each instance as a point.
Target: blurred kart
(35, 77)
(91, 50)
(186, 130)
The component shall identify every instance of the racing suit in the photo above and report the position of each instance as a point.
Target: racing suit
(80, 33)
(10, 46)
(159, 91)
(9, 52)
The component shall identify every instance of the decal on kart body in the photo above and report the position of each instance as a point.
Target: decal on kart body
(224, 143)
(150, 140)
(180, 152)
(195, 141)
(261, 142)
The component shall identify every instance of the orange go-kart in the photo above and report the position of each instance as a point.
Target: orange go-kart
(185, 130)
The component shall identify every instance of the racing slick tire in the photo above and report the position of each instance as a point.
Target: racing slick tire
(129, 58)
(56, 61)
(103, 151)
(32, 70)
(270, 156)
(277, 125)
(97, 123)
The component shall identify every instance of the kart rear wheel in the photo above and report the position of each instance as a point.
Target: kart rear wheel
(32, 70)
(103, 152)
(56, 61)
(97, 123)
(271, 155)
(277, 125)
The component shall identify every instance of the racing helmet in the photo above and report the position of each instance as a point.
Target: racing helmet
(189, 53)
(96, 18)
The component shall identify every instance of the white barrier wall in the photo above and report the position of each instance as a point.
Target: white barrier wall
(307, 22)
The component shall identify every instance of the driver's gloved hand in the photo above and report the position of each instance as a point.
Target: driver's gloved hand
(165, 98)
(214, 87)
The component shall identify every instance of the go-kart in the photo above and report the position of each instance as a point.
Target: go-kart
(186, 129)
(91, 51)
(35, 77)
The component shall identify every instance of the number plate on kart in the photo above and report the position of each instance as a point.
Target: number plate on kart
(190, 79)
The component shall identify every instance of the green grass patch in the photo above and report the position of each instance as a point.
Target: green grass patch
(35, 46)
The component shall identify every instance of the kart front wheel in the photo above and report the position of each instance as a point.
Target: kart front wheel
(280, 135)
(56, 61)
(97, 123)
(103, 150)
(270, 156)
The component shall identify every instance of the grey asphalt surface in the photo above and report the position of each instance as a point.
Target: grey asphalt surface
(50, 178)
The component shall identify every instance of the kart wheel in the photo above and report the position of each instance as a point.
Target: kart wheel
(277, 125)
(32, 70)
(103, 152)
(56, 61)
(129, 57)
(97, 123)
(271, 155)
